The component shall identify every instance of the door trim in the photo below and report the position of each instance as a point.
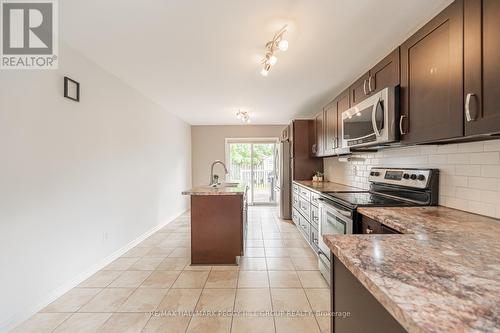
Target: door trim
(251, 141)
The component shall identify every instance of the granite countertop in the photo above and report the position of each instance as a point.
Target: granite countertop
(327, 186)
(441, 275)
(208, 190)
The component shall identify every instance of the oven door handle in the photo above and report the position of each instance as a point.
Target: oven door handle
(374, 118)
(343, 212)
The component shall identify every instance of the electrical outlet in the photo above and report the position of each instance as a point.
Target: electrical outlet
(104, 236)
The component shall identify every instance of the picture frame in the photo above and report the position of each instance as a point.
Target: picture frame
(71, 89)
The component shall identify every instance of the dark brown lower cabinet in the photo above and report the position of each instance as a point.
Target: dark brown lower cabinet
(482, 66)
(432, 79)
(348, 295)
(217, 229)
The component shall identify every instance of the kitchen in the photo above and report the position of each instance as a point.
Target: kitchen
(374, 209)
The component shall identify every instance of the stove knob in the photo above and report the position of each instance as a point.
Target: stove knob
(406, 176)
(413, 177)
(376, 174)
(421, 177)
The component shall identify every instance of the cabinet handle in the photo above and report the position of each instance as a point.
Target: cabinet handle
(467, 107)
(401, 124)
(370, 84)
(364, 87)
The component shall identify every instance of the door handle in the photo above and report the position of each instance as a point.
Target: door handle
(467, 107)
(401, 124)
(364, 87)
(370, 84)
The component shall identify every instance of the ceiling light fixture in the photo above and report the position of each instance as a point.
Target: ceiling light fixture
(244, 116)
(277, 43)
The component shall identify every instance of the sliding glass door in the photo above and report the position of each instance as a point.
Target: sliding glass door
(253, 163)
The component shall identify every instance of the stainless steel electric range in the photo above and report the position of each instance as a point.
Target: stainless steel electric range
(389, 187)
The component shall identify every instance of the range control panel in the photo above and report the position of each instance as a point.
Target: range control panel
(416, 178)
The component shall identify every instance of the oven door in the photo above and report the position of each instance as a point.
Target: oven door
(333, 220)
(370, 122)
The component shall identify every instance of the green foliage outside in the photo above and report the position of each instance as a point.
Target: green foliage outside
(241, 153)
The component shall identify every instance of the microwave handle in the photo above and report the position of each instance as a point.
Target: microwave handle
(374, 118)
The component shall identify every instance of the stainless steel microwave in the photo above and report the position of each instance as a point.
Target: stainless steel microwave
(372, 122)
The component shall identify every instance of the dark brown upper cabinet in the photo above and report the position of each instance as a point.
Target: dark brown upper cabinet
(482, 67)
(319, 134)
(358, 91)
(432, 79)
(384, 74)
(331, 128)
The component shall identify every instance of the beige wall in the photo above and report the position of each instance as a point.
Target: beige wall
(208, 144)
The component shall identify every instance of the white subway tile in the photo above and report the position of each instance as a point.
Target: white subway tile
(468, 170)
(482, 183)
(471, 147)
(493, 145)
(492, 197)
(462, 158)
(485, 158)
(455, 181)
(445, 149)
(467, 193)
(438, 159)
(492, 171)
(428, 150)
(447, 170)
(482, 208)
(448, 191)
(456, 203)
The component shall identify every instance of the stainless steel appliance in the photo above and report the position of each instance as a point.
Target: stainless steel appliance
(284, 183)
(389, 187)
(373, 121)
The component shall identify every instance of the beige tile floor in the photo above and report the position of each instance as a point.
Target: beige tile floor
(278, 273)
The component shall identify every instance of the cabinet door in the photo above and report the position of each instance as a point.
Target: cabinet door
(385, 74)
(318, 147)
(482, 66)
(358, 91)
(432, 80)
(343, 104)
(331, 128)
(369, 226)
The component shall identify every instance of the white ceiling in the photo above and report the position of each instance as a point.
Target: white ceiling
(199, 59)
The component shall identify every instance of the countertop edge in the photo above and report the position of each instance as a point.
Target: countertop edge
(400, 316)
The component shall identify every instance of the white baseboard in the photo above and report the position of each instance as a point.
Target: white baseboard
(18, 318)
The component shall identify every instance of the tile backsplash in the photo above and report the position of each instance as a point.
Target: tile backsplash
(469, 172)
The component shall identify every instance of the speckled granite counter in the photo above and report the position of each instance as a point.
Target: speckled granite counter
(327, 186)
(208, 190)
(442, 275)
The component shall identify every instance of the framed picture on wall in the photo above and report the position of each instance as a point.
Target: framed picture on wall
(71, 89)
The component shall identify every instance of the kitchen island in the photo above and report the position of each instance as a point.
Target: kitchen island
(441, 275)
(218, 224)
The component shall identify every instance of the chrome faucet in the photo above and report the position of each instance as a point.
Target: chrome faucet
(212, 182)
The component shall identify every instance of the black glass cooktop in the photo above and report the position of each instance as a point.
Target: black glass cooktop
(357, 199)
